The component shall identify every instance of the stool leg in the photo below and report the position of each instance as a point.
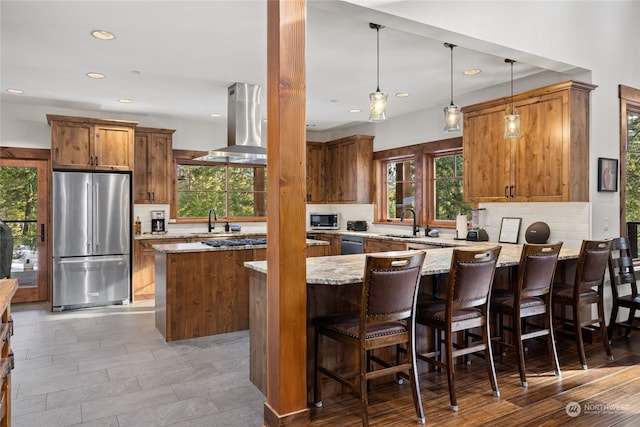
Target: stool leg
(577, 329)
(517, 327)
(603, 328)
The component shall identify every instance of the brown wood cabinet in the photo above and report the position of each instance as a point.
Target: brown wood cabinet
(79, 143)
(548, 163)
(8, 289)
(340, 171)
(383, 245)
(334, 242)
(316, 161)
(153, 165)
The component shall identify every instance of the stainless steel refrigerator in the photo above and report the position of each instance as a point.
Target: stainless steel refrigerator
(91, 239)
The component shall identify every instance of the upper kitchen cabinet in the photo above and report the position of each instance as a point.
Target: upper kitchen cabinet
(153, 164)
(79, 143)
(349, 164)
(316, 160)
(548, 163)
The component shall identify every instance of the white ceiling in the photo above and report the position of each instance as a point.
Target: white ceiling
(177, 58)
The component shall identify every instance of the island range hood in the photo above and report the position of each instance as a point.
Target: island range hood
(244, 129)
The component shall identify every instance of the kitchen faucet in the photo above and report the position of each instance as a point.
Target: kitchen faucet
(416, 230)
(212, 225)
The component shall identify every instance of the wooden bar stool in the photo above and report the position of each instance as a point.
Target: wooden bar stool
(592, 264)
(466, 307)
(531, 297)
(386, 319)
(622, 275)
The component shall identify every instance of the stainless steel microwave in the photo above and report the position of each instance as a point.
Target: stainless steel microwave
(324, 221)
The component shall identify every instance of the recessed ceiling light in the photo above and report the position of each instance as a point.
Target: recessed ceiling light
(15, 91)
(102, 35)
(333, 100)
(311, 125)
(126, 100)
(214, 115)
(355, 110)
(94, 75)
(472, 72)
(402, 95)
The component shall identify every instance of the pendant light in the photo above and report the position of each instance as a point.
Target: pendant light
(511, 121)
(377, 99)
(452, 114)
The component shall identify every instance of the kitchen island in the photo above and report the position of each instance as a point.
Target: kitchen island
(333, 286)
(203, 290)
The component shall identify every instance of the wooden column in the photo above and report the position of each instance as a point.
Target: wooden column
(286, 191)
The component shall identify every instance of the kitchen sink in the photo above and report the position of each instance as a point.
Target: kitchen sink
(401, 236)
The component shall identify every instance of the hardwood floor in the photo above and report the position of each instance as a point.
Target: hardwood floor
(608, 392)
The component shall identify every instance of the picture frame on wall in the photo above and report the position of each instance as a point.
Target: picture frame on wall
(607, 174)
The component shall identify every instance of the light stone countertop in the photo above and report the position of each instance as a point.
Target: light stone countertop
(348, 269)
(203, 235)
(174, 248)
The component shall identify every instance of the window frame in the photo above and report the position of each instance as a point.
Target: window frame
(186, 157)
(629, 102)
(423, 155)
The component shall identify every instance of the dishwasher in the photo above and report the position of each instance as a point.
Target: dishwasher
(351, 245)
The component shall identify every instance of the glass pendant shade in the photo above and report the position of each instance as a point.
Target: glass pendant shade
(452, 118)
(511, 121)
(377, 106)
(512, 126)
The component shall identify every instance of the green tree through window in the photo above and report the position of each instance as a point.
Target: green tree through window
(632, 167)
(448, 188)
(234, 191)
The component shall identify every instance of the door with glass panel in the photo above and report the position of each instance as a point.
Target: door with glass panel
(24, 201)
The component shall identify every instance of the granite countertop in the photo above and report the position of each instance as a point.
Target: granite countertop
(200, 247)
(203, 235)
(445, 240)
(347, 269)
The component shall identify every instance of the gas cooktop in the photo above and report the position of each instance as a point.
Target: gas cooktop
(235, 242)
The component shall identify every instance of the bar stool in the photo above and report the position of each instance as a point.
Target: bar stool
(531, 297)
(622, 275)
(466, 307)
(386, 318)
(592, 263)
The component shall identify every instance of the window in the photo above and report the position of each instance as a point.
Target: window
(448, 187)
(630, 165)
(234, 191)
(426, 177)
(400, 187)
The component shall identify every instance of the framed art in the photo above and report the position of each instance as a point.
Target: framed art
(607, 174)
(509, 230)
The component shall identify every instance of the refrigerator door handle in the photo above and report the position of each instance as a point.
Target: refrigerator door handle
(89, 213)
(96, 236)
(42, 232)
(84, 260)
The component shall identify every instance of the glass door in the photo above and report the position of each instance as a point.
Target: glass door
(24, 201)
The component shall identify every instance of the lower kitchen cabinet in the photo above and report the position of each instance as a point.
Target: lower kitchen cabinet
(8, 289)
(383, 245)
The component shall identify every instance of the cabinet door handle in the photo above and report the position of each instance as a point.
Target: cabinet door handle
(506, 187)
(96, 160)
(91, 160)
(153, 196)
(511, 187)
(42, 232)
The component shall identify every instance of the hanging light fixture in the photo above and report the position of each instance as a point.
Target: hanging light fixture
(377, 99)
(511, 121)
(452, 114)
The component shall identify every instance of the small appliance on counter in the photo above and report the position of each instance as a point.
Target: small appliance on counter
(359, 226)
(157, 222)
(477, 233)
(324, 221)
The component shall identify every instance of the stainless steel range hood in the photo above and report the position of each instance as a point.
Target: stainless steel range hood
(244, 128)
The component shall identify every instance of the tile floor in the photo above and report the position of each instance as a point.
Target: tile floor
(110, 366)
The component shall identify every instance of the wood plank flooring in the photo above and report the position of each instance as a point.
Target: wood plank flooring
(608, 393)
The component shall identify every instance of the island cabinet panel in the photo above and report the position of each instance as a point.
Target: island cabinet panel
(549, 162)
(79, 143)
(153, 165)
(383, 245)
